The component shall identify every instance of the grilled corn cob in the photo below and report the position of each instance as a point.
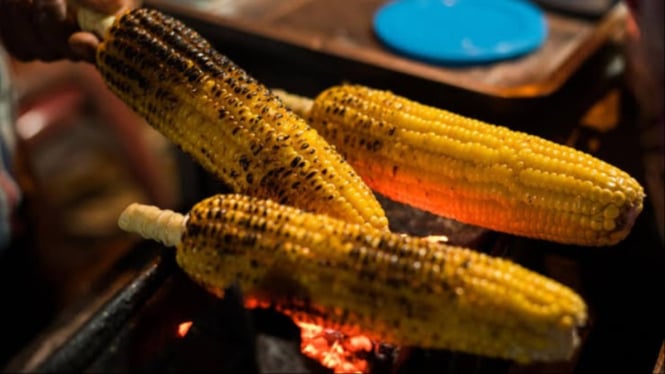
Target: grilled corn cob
(394, 288)
(475, 172)
(226, 120)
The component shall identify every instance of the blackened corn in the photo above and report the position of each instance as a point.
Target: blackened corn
(394, 288)
(475, 172)
(226, 120)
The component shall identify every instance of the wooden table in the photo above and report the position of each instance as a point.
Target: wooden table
(343, 29)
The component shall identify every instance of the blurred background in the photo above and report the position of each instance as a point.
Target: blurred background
(84, 156)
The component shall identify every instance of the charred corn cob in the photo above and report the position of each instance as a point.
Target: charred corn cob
(226, 120)
(475, 172)
(394, 288)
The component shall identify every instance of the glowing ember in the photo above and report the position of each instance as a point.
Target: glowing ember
(183, 328)
(333, 349)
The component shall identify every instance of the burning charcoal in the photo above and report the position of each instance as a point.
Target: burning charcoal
(221, 339)
(276, 355)
(270, 322)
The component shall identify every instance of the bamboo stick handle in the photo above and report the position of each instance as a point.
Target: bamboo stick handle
(162, 225)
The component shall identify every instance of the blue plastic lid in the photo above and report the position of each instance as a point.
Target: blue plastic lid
(461, 32)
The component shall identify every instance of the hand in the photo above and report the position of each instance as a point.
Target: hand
(47, 30)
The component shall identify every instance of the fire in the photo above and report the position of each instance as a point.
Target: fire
(183, 328)
(333, 349)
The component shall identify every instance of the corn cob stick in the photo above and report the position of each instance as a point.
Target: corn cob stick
(226, 120)
(394, 288)
(475, 172)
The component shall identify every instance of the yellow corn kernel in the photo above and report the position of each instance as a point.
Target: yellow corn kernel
(475, 172)
(226, 120)
(393, 288)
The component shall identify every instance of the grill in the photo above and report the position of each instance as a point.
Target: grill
(139, 327)
(134, 320)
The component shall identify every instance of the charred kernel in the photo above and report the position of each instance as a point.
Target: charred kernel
(256, 150)
(244, 162)
(374, 146)
(295, 161)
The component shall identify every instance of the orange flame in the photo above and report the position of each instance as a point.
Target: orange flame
(183, 328)
(333, 349)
